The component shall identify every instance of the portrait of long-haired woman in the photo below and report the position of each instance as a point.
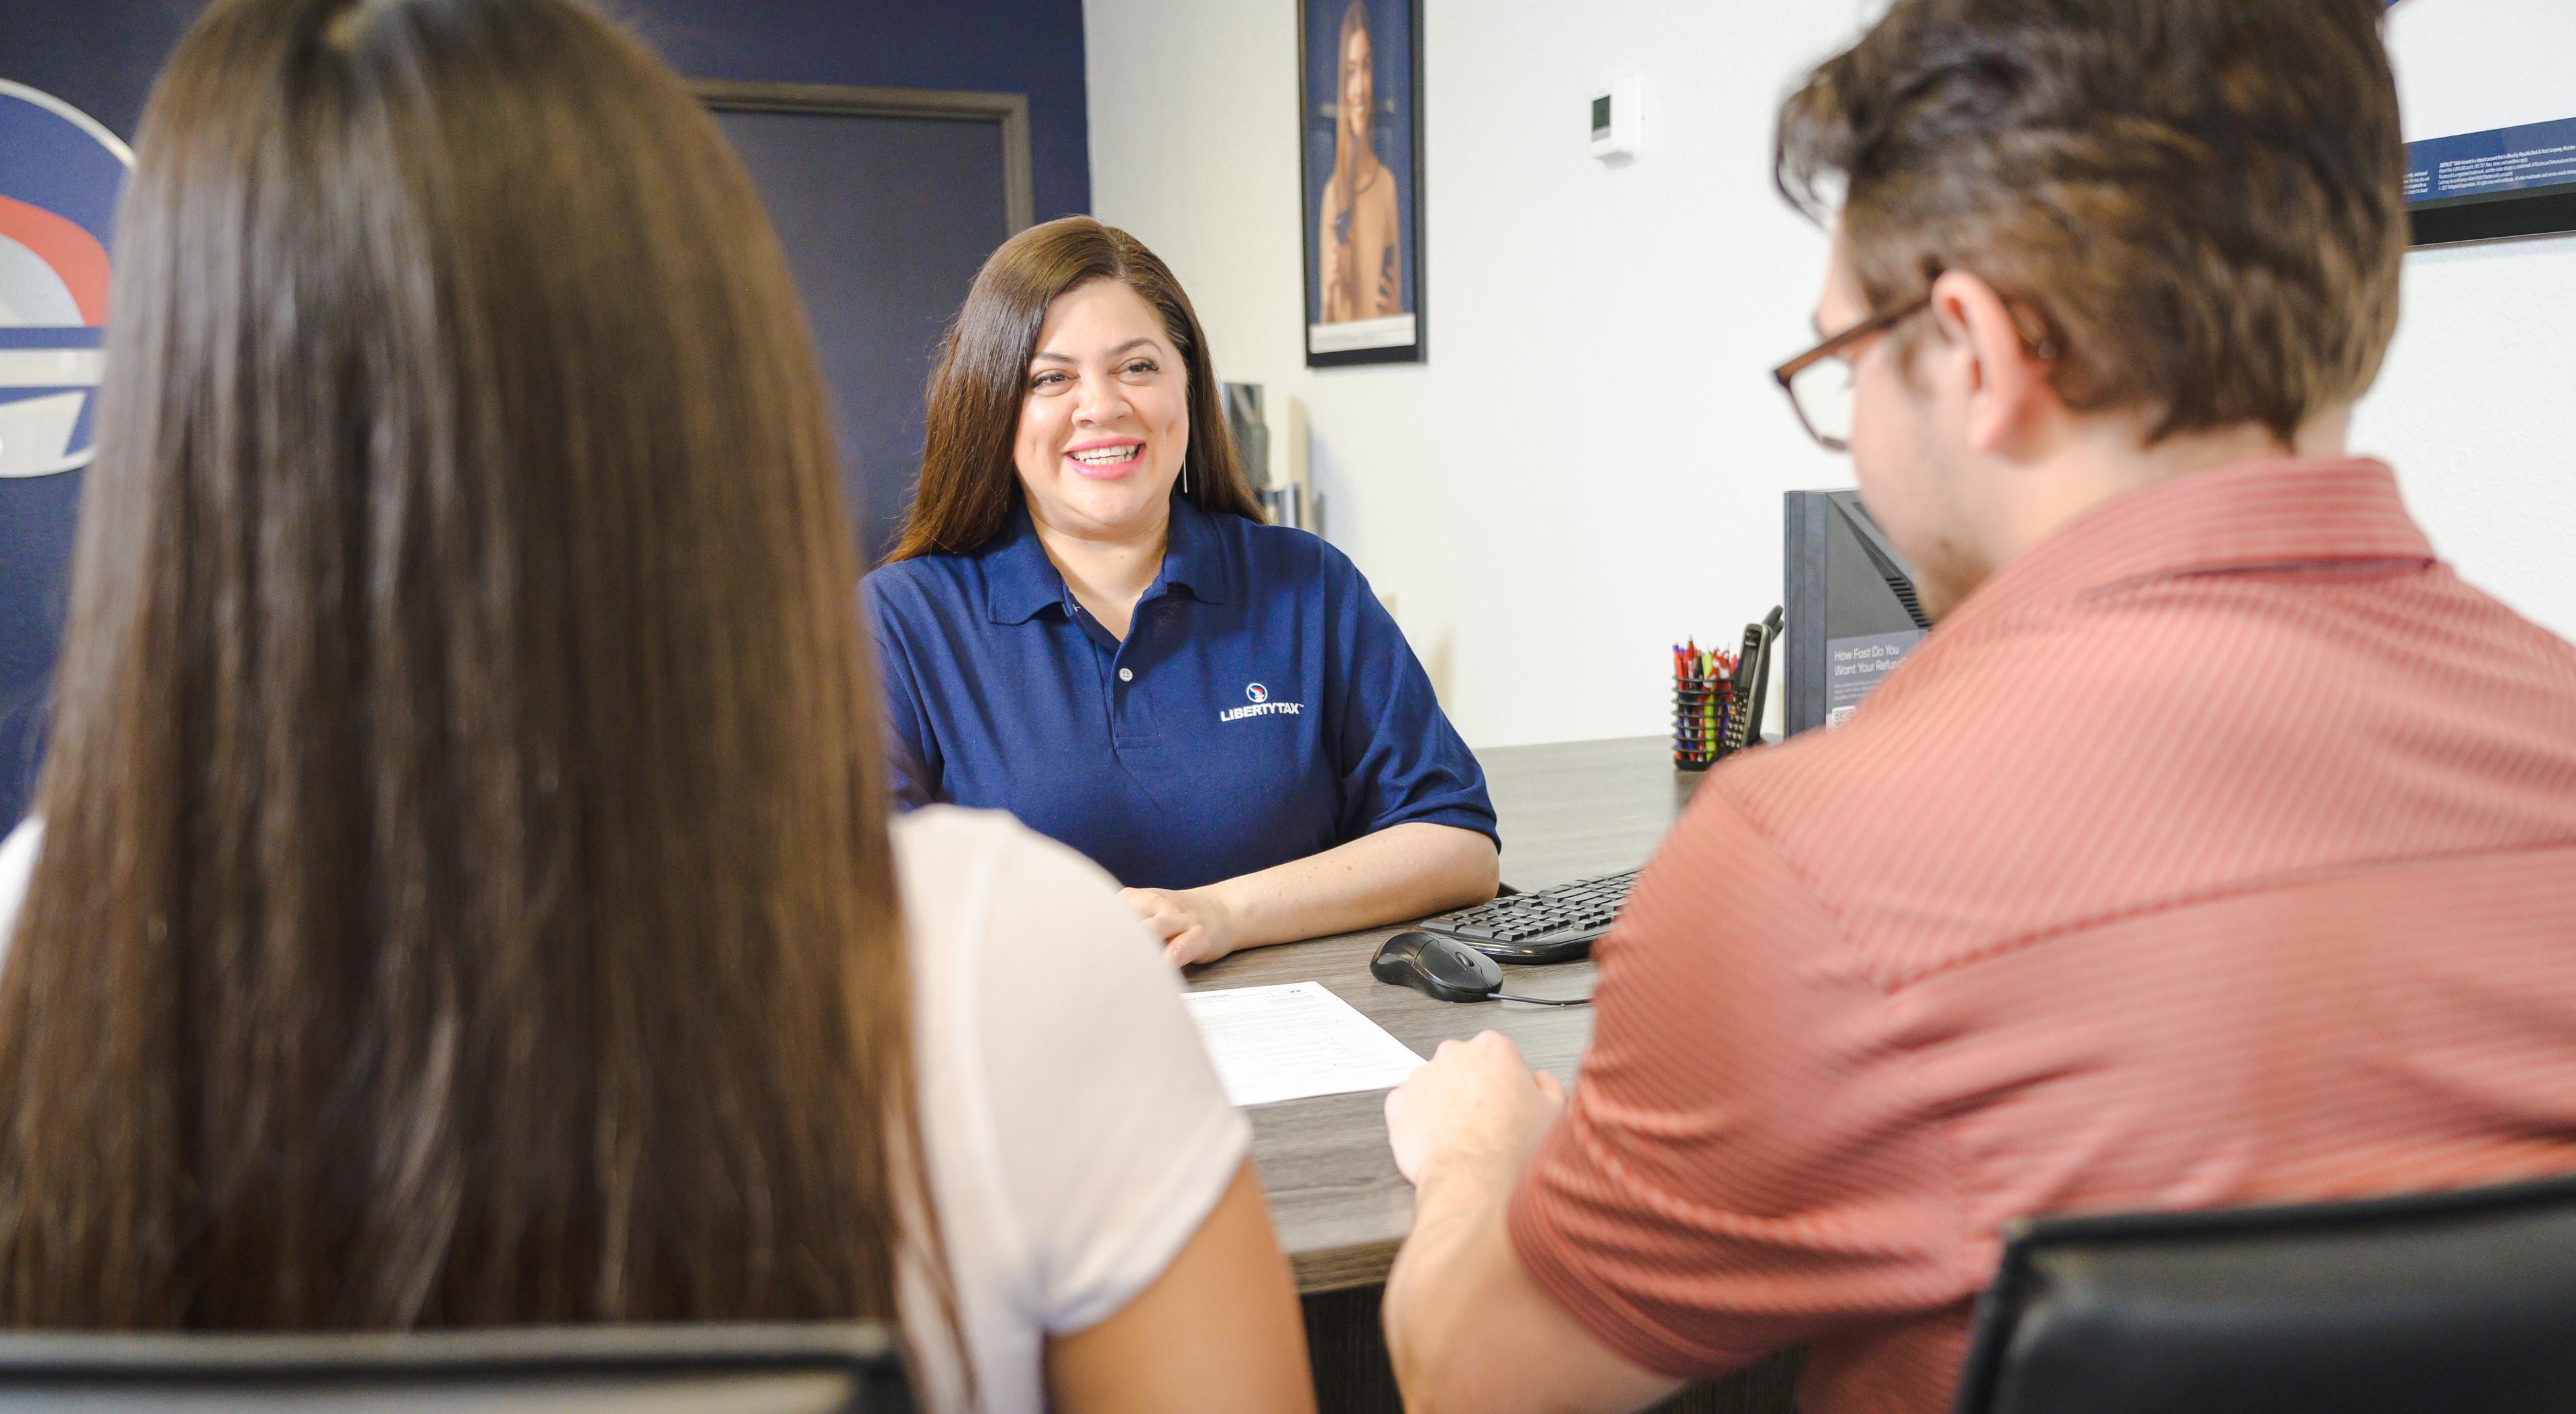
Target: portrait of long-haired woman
(1364, 264)
(1363, 260)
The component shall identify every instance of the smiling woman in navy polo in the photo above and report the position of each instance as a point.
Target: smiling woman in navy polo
(1085, 623)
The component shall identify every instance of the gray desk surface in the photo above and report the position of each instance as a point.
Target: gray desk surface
(1568, 810)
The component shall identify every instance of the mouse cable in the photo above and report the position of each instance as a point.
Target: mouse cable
(1544, 1001)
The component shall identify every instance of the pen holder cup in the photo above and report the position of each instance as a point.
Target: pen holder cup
(1699, 722)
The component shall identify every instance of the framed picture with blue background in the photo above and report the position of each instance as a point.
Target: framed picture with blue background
(1360, 108)
(2488, 93)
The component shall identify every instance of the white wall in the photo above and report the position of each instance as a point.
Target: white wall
(2477, 406)
(1590, 465)
(2477, 409)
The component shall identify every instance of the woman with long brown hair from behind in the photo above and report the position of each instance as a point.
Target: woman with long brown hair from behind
(462, 893)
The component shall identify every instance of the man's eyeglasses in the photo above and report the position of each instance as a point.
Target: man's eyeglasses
(1819, 381)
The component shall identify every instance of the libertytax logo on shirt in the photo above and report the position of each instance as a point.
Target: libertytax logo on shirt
(1262, 706)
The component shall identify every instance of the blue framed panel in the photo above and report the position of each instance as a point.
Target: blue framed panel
(2516, 180)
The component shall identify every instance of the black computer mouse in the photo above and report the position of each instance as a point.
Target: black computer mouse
(1436, 966)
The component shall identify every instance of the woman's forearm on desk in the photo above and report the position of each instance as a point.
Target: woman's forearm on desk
(1403, 871)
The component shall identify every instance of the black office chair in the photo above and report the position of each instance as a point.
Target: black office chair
(2448, 1303)
(732, 1369)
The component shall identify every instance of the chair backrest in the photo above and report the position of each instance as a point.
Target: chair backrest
(737, 1369)
(2461, 1303)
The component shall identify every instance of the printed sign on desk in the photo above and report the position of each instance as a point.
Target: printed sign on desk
(1854, 665)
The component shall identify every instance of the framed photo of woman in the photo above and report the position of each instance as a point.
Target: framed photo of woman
(1360, 105)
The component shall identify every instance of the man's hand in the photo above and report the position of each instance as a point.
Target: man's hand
(1466, 1328)
(1194, 925)
(1477, 1104)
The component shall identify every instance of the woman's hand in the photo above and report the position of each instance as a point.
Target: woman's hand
(1403, 871)
(1195, 925)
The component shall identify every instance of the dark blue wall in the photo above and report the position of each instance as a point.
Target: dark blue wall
(1013, 46)
(101, 58)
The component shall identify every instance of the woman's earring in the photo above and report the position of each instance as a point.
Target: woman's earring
(1185, 476)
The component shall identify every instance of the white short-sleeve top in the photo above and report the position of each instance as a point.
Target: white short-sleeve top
(1075, 1134)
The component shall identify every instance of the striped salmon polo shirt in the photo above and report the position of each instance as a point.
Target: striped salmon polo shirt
(2219, 850)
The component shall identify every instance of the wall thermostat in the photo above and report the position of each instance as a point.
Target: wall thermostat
(1616, 112)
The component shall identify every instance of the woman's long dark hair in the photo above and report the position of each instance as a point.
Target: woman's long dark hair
(968, 482)
(465, 896)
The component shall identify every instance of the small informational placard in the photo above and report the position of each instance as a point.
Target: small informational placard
(1854, 665)
(1395, 331)
(2488, 111)
(1291, 1041)
(2499, 160)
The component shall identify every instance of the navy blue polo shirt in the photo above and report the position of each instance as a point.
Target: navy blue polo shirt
(1264, 706)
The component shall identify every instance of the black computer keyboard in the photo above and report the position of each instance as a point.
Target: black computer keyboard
(1551, 925)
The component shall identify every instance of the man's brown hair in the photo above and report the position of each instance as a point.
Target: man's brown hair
(2199, 201)
(968, 481)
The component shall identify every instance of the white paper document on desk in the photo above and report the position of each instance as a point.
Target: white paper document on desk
(1292, 1041)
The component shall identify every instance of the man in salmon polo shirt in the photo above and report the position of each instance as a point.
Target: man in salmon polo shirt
(2217, 847)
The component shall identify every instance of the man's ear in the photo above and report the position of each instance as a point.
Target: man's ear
(2004, 381)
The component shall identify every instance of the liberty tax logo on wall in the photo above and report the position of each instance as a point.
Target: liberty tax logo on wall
(60, 175)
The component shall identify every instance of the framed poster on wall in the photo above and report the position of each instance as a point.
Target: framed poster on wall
(2487, 89)
(1360, 111)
